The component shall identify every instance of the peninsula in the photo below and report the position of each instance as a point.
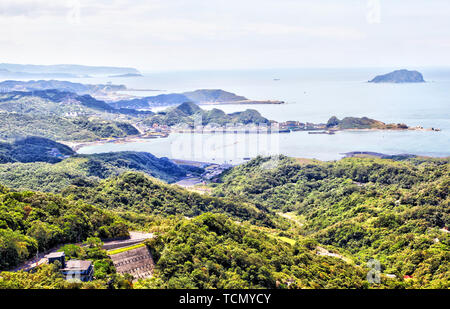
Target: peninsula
(61, 70)
(190, 118)
(200, 96)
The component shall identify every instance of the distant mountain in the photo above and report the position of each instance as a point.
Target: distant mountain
(188, 108)
(4, 74)
(187, 113)
(127, 75)
(399, 76)
(83, 170)
(152, 101)
(50, 102)
(17, 125)
(198, 96)
(61, 115)
(32, 85)
(60, 103)
(137, 192)
(71, 69)
(212, 95)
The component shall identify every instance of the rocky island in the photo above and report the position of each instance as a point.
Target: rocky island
(127, 75)
(355, 123)
(399, 76)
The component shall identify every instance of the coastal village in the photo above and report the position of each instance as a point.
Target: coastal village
(157, 130)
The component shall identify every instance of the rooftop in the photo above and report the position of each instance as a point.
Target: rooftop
(72, 265)
(55, 255)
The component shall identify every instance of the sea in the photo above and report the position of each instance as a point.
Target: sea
(310, 95)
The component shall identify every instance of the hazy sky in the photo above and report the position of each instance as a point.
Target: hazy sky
(226, 34)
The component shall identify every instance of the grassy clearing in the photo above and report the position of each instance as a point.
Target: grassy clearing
(293, 216)
(283, 238)
(120, 250)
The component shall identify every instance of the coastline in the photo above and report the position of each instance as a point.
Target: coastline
(120, 140)
(142, 138)
(241, 102)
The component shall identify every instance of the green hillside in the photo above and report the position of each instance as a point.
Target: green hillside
(16, 126)
(188, 113)
(33, 149)
(41, 176)
(30, 221)
(393, 211)
(136, 192)
(211, 251)
(51, 102)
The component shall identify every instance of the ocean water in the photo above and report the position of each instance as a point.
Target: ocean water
(312, 95)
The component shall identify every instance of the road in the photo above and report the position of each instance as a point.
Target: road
(135, 236)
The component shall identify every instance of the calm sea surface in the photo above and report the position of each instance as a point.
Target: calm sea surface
(312, 95)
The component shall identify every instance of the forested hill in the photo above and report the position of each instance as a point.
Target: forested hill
(50, 101)
(54, 102)
(17, 126)
(187, 113)
(212, 251)
(31, 221)
(394, 211)
(68, 69)
(42, 176)
(137, 192)
(338, 215)
(198, 96)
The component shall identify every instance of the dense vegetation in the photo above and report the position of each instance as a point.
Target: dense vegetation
(49, 277)
(50, 102)
(33, 149)
(136, 192)
(393, 211)
(211, 251)
(16, 126)
(41, 176)
(190, 113)
(197, 96)
(362, 123)
(31, 221)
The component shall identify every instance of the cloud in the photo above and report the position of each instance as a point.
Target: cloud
(32, 8)
(175, 34)
(323, 32)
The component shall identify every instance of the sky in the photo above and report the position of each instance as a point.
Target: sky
(160, 35)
